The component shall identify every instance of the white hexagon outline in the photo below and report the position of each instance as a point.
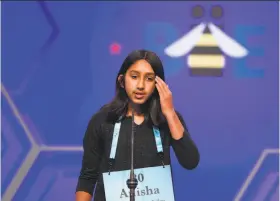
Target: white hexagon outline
(32, 154)
(254, 171)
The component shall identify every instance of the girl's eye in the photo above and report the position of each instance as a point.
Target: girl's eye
(134, 76)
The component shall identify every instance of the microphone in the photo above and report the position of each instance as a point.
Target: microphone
(132, 181)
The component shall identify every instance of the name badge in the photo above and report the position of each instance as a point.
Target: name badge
(154, 184)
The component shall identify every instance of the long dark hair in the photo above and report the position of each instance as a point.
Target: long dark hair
(119, 105)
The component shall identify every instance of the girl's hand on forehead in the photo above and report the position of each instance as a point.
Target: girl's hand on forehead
(166, 99)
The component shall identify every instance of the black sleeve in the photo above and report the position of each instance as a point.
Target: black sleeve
(185, 149)
(91, 156)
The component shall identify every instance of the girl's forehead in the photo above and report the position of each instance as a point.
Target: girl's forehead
(141, 66)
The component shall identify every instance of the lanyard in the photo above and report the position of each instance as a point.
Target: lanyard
(116, 134)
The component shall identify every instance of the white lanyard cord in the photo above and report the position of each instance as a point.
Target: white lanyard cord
(115, 139)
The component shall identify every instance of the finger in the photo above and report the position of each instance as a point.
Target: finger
(160, 87)
(163, 85)
(160, 90)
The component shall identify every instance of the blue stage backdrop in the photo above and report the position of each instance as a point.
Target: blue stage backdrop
(59, 63)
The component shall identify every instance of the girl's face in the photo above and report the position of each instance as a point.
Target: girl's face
(139, 82)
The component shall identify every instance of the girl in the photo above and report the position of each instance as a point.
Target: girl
(140, 88)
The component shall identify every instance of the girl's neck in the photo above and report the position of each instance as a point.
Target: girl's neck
(136, 108)
(139, 113)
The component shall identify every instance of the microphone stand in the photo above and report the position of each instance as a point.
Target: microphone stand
(132, 181)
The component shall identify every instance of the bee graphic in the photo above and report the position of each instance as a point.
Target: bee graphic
(206, 43)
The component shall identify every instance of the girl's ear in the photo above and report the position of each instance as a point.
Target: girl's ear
(121, 80)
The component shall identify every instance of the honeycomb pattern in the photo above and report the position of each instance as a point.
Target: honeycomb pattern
(52, 179)
(263, 181)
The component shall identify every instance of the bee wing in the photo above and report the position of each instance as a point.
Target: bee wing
(227, 44)
(183, 45)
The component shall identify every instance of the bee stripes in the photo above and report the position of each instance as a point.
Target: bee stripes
(206, 50)
(206, 58)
